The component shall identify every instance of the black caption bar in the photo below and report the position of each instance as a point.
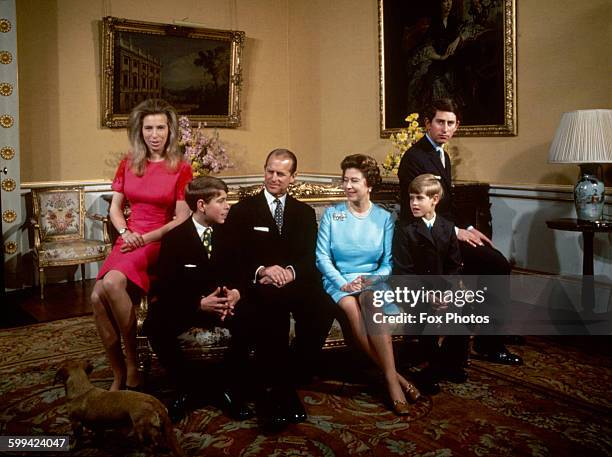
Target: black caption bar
(34, 443)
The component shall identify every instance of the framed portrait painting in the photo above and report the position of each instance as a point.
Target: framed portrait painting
(197, 70)
(459, 49)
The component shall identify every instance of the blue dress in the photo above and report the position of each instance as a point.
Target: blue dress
(349, 246)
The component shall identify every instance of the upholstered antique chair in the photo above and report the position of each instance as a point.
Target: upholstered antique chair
(59, 230)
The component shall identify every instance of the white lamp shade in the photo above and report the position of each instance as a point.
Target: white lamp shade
(583, 136)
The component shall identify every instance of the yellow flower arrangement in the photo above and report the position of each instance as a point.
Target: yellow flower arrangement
(401, 141)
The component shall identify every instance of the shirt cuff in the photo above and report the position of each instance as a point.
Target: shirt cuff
(292, 269)
(259, 268)
(470, 227)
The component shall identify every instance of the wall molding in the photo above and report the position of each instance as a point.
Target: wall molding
(27, 186)
(560, 193)
(234, 180)
(495, 188)
(519, 214)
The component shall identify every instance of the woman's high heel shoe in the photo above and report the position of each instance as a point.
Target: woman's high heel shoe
(400, 407)
(412, 392)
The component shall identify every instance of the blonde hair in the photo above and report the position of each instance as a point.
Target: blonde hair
(427, 184)
(139, 152)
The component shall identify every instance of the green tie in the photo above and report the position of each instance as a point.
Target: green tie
(207, 240)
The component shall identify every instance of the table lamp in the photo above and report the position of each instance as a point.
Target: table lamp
(584, 137)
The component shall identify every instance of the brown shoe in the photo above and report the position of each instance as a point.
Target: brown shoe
(400, 408)
(412, 392)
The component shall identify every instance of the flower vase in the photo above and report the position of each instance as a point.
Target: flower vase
(589, 195)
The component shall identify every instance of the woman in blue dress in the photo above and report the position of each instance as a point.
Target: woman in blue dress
(354, 242)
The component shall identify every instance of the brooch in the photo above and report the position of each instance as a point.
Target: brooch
(339, 216)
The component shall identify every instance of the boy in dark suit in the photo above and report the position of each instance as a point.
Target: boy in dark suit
(191, 289)
(428, 246)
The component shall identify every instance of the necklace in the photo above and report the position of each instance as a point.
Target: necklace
(360, 214)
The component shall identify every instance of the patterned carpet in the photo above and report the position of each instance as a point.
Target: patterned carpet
(557, 404)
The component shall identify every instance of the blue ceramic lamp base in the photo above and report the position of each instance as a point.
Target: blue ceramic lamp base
(589, 193)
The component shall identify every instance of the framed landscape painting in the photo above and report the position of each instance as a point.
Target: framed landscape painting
(197, 70)
(459, 49)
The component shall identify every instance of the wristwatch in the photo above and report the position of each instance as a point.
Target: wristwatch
(122, 230)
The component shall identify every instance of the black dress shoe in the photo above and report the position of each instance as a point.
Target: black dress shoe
(293, 407)
(303, 377)
(518, 340)
(455, 375)
(179, 407)
(236, 406)
(503, 356)
(271, 411)
(426, 381)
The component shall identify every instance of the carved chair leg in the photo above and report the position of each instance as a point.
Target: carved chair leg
(143, 349)
(144, 354)
(83, 274)
(41, 280)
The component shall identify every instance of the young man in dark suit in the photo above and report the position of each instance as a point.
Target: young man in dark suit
(273, 236)
(191, 289)
(477, 251)
(428, 245)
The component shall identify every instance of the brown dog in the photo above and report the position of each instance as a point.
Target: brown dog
(98, 408)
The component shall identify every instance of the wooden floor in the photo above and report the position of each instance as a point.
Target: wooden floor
(61, 301)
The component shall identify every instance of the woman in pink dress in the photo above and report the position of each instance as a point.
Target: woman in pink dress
(152, 178)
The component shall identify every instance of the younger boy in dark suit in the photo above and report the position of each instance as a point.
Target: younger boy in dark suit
(428, 245)
(191, 289)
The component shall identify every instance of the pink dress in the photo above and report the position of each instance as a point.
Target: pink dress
(152, 199)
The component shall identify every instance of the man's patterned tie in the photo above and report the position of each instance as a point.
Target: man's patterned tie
(207, 240)
(278, 214)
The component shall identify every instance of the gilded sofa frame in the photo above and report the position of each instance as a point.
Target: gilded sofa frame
(311, 193)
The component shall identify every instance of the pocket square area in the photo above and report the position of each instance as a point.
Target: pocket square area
(262, 229)
(190, 265)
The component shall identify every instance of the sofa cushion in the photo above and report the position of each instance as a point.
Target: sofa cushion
(198, 339)
(72, 250)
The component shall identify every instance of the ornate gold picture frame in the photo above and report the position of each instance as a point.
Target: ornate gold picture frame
(197, 70)
(461, 49)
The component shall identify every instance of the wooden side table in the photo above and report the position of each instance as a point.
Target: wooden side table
(588, 230)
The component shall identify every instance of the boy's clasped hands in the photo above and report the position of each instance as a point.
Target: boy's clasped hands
(222, 302)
